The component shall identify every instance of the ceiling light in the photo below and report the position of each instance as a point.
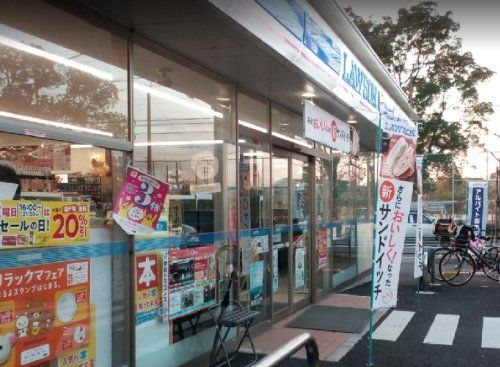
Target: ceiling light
(193, 103)
(352, 119)
(54, 123)
(308, 95)
(252, 126)
(178, 143)
(292, 140)
(56, 58)
(80, 146)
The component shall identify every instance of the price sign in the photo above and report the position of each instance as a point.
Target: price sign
(38, 223)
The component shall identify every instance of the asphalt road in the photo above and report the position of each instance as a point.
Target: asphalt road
(467, 304)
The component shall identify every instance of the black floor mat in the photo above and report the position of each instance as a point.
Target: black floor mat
(343, 319)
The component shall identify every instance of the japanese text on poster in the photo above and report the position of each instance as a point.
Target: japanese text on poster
(192, 280)
(44, 311)
(418, 269)
(478, 204)
(256, 283)
(394, 192)
(39, 223)
(140, 203)
(147, 286)
(322, 248)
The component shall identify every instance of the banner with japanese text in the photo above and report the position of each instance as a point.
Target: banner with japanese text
(192, 280)
(25, 223)
(477, 205)
(394, 193)
(418, 268)
(44, 312)
(140, 203)
(148, 286)
(322, 248)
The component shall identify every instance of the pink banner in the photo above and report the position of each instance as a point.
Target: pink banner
(140, 203)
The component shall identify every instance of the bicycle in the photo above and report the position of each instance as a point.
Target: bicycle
(469, 254)
(458, 266)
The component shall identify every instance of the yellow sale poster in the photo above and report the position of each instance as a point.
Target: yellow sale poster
(43, 223)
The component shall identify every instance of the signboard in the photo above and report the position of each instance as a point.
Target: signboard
(322, 248)
(257, 283)
(26, 223)
(299, 34)
(394, 192)
(44, 312)
(191, 280)
(418, 269)
(478, 204)
(140, 202)
(148, 286)
(300, 263)
(325, 128)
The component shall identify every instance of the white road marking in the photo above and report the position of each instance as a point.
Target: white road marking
(491, 332)
(392, 327)
(442, 330)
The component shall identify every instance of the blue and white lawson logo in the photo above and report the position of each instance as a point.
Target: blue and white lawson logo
(354, 76)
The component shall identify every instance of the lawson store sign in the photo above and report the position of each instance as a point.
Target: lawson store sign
(325, 128)
(297, 32)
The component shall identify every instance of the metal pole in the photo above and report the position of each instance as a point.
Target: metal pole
(453, 189)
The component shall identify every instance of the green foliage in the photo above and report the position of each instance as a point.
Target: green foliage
(422, 52)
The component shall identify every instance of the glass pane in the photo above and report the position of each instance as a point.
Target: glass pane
(183, 135)
(69, 74)
(300, 230)
(255, 224)
(71, 261)
(324, 224)
(343, 230)
(281, 244)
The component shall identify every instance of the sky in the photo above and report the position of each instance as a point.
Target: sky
(479, 29)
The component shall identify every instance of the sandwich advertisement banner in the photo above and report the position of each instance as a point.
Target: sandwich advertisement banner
(394, 192)
(477, 204)
(418, 269)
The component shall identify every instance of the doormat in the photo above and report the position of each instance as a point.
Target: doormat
(330, 318)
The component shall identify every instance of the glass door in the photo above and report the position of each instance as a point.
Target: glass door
(280, 237)
(301, 223)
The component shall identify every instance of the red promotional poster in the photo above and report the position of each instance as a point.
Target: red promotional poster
(44, 312)
(322, 250)
(191, 278)
(140, 202)
(147, 286)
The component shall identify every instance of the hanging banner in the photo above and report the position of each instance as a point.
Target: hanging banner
(418, 269)
(477, 205)
(395, 188)
(26, 223)
(44, 312)
(148, 286)
(191, 280)
(140, 202)
(325, 128)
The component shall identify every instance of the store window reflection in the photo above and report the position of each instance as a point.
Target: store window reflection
(183, 135)
(343, 229)
(60, 225)
(75, 80)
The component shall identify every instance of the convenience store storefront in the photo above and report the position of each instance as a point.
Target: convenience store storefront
(194, 97)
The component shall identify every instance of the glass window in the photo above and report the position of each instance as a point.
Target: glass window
(289, 126)
(71, 262)
(183, 135)
(57, 70)
(343, 229)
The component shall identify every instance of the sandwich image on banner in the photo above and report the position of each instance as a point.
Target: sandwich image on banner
(399, 161)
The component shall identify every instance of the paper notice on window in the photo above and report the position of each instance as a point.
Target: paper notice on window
(7, 190)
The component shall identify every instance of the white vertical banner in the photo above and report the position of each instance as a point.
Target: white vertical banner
(394, 193)
(477, 205)
(418, 269)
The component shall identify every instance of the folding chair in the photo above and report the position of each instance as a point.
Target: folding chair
(231, 315)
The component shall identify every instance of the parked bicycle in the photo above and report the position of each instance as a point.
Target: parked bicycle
(468, 254)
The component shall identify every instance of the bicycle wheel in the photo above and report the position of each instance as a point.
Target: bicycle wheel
(457, 267)
(438, 255)
(490, 268)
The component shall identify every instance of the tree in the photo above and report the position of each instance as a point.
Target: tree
(422, 52)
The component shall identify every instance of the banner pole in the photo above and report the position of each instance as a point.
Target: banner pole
(378, 149)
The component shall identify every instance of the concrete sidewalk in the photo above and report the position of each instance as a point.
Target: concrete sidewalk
(332, 345)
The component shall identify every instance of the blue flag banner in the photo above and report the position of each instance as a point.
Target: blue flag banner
(477, 204)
